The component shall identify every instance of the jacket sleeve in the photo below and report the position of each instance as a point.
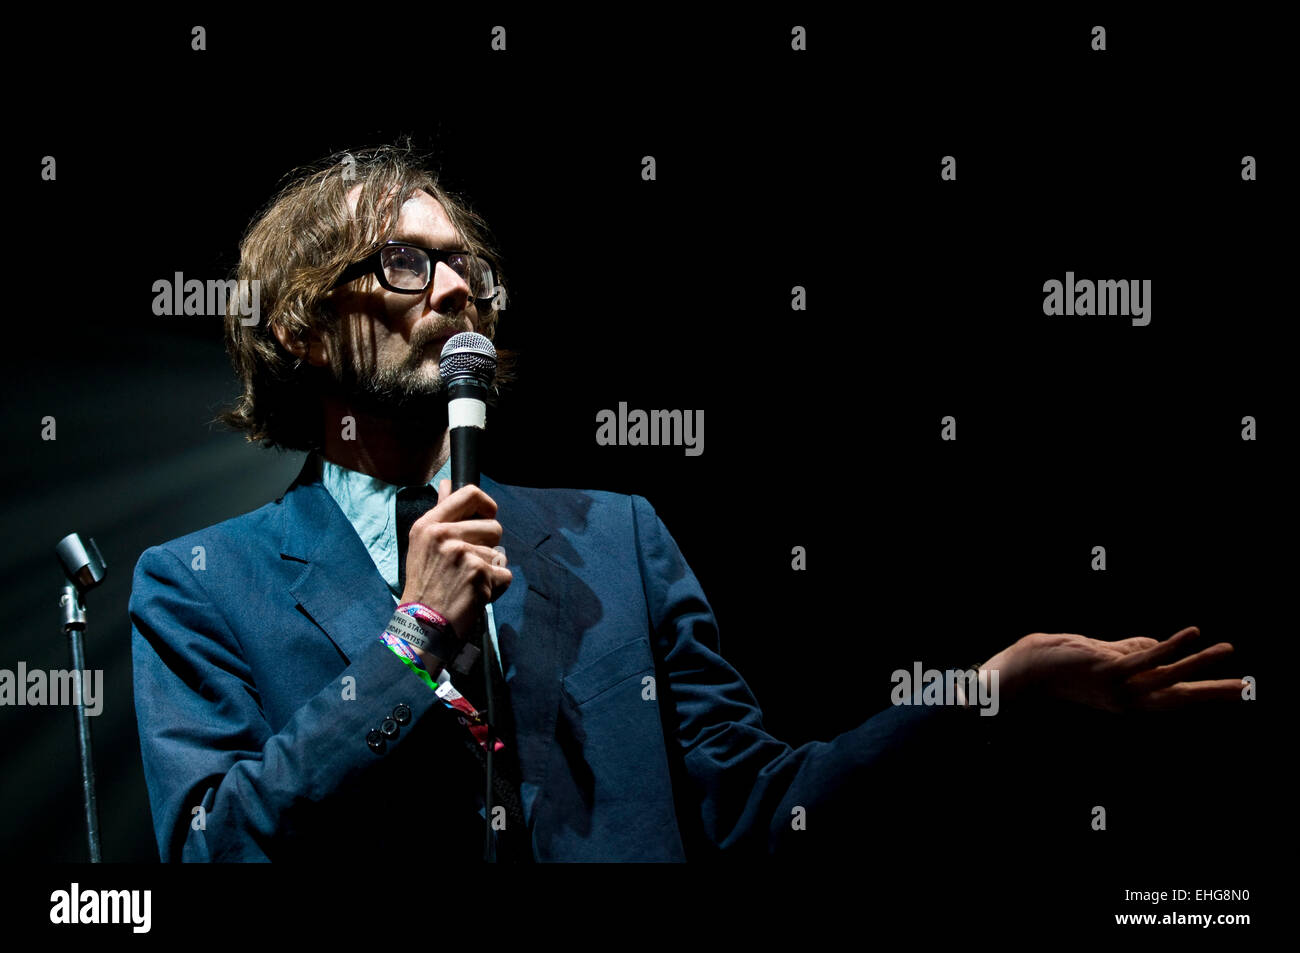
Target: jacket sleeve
(204, 739)
(749, 784)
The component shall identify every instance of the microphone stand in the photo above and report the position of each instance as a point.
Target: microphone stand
(84, 567)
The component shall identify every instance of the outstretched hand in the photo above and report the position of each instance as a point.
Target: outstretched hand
(1131, 674)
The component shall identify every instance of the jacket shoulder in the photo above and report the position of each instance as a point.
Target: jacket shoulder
(241, 547)
(552, 498)
(237, 531)
(573, 511)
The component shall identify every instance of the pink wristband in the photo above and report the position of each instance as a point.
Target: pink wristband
(429, 631)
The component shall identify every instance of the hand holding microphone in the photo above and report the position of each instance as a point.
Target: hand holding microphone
(451, 564)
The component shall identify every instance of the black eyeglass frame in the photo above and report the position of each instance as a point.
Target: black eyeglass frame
(374, 264)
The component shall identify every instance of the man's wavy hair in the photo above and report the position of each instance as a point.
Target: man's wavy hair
(297, 248)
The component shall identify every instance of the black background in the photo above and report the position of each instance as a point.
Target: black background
(775, 168)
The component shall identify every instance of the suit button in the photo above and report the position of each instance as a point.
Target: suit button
(388, 728)
(376, 741)
(402, 714)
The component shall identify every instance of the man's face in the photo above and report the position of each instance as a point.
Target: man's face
(388, 344)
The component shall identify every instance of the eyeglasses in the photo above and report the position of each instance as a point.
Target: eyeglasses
(408, 269)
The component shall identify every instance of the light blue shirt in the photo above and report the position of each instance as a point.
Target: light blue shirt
(370, 505)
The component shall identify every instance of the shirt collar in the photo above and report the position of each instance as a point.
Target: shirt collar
(370, 506)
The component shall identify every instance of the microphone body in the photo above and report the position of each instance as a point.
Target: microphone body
(467, 365)
(466, 421)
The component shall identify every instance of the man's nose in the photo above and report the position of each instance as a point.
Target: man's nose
(449, 293)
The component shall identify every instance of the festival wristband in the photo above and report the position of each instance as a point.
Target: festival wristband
(402, 648)
(429, 631)
(466, 713)
(411, 660)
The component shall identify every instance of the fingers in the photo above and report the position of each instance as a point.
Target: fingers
(466, 502)
(492, 555)
(479, 532)
(494, 577)
(486, 572)
(488, 563)
(1182, 670)
(500, 583)
(1218, 690)
(1161, 652)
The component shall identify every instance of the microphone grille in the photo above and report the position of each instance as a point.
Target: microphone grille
(468, 355)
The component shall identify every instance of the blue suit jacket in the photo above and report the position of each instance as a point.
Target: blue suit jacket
(259, 672)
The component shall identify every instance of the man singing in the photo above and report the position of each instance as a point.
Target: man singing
(314, 686)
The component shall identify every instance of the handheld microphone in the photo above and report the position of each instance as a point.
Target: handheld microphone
(467, 365)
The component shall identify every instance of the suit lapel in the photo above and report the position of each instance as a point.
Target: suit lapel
(537, 646)
(339, 588)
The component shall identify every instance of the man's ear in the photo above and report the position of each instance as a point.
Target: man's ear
(310, 348)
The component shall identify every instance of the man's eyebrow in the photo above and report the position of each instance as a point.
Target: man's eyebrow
(426, 243)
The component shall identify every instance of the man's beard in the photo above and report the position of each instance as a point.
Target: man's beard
(404, 390)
